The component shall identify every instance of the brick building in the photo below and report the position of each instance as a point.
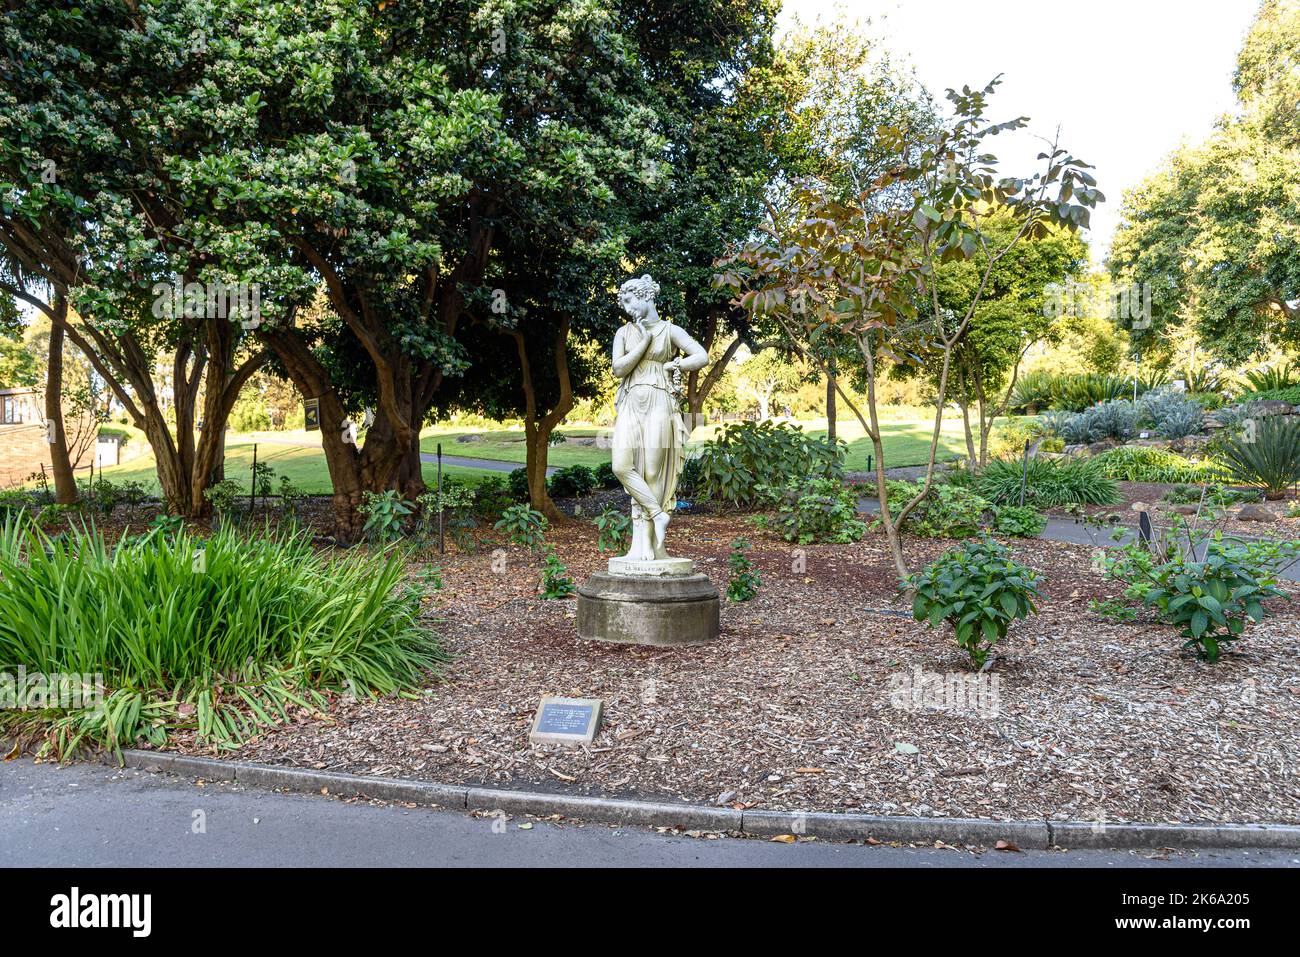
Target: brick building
(23, 448)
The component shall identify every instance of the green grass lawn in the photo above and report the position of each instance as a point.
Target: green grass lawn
(906, 435)
(304, 466)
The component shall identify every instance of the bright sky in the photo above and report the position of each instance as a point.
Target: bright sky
(1126, 80)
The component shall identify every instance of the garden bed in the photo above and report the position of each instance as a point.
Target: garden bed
(792, 709)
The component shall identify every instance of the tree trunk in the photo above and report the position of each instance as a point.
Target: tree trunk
(538, 428)
(830, 407)
(65, 483)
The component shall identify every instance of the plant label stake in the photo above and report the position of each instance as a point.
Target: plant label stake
(441, 544)
(1145, 533)
(252, 486)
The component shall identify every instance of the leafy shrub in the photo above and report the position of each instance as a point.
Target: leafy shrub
(1009, 439)
(1266, 455)
(606, 478)
(1075, 393)
(1116, 419)
(385, 512)
(1034, 391)
(523, 526)
(1209, 401)
(691, 480)
(1020, 521)
(572, 482)
(1050, 483)
(1210, 601)
(949, 511)
(1288, 394)
(614, 529)
(1172, 414)
(556, 582)
(1203, 380)
(458, 509)
(104, 496)
(291, 498)
(742, 582)
(822, 510)
(1272, 379)
(223, 649)
(1215, 495)
(12, 503)
(492, 496)
(747, 454)
(978, 590)
(223, 496)
(1145, 463)
(518, 484)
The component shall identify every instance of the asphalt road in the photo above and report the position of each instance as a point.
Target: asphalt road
(94, 816)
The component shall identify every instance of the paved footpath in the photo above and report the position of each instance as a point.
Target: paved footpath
(93, 816)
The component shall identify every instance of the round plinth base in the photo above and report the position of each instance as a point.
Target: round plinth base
(649, 610)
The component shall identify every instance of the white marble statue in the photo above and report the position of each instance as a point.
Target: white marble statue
(649, 432)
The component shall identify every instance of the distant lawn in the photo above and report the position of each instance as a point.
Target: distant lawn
(305, 467)
(906, 434)
(906, 438)
(501, 444)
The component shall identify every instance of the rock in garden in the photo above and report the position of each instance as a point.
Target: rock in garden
(469, 437)
(1256, 513)
(1266, 407)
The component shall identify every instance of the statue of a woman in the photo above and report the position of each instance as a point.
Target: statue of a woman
(649, 432)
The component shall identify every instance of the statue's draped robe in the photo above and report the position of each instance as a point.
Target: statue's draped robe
(649, 421)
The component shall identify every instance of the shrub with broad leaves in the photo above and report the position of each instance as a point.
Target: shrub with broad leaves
(979, 590)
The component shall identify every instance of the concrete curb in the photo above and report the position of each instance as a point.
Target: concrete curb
(827, 826)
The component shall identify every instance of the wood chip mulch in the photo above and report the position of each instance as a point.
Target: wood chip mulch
(792, 707)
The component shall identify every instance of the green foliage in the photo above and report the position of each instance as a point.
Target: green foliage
(1273, 378)
(556, 582)
(1216, 496)
(1267, 455)
(492, 497)
(606, 478)
(458, 503)
(614, 529)
(1051, 483)
(1230, 268)
(1288, 394)
(517, 483)
(743, 581)
(1172, 414)
(572, 482)
(949, 511)
(224, 647)
(1018, 521)
(523, 525)
(223, 496)
(1144, 463)
(822, 510)
(979, 590)
(746, 455)
(385, 514)
(104, 496)
(292, 498)
(1210, 601)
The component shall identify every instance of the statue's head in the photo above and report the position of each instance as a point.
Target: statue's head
(637, 296)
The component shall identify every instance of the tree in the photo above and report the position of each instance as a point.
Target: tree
(862, 268)
(1014, 313)
(765, 376)
(1213, 234)
(85, 214)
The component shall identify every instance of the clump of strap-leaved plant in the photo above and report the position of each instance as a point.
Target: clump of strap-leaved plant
(219, 637)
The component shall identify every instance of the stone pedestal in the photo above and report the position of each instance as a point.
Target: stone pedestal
(668, 604)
